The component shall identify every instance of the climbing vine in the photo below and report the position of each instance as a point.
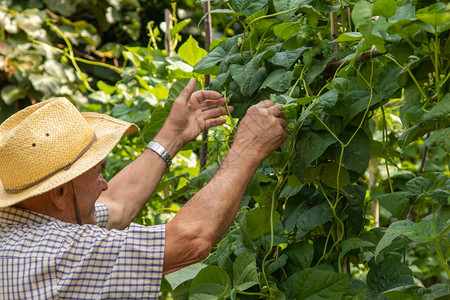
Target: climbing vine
(357, 104)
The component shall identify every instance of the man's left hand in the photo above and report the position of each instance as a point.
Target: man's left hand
(191, 113)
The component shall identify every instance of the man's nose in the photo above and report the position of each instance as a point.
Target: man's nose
(104, 184)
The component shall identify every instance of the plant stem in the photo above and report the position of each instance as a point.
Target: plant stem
(417, 83)
(79, 59)
(436, 66)
(272, 206)
(391, 189)
(329, 130)
(72, 56)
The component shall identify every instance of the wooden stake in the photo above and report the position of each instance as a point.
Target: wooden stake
(169, 25)
(334, 32)
(208, 40)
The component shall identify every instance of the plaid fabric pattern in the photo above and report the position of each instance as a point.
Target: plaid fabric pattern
(45, 258)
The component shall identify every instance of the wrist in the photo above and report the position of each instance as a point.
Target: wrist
(244, 157)
(169, 141)
(161, 151)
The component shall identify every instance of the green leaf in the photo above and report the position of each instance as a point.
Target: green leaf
(176, 89)
(251, 76)
(343, 85)
(368, 73)
(329, 174)
(389, 274)
(120, 110)
(390, 235)
(248, 7)
(286, 59)
(384, 8)
(258, 221)
(401, 51)
(361, 14)
(300, 254)
(11, 93)
(274, 264)
(179, 26)
(440, 138)
(440, 111)
(211, 283)
(100, 96)
(396, 203)
(438, 291)
(433, 15)
(349, 37)
(354, 243)
(415, 132)
(356, 289)
(357, 154)
(191, 52)
(286, 5)
(414, 231)
(404, 28)
(285, 30)
(279, 80)
(209, 63)
(245, 272)
(201, 179)
(318, 284)
(106, 88)
(313, 217)
(325, 101)
(310, 145)
(65, 8)
(256, 15)
(318, 68)
(49, 85)
(412, 292)
(178, 277)
(157, 119)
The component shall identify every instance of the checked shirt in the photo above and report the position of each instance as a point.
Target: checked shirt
(45, 258)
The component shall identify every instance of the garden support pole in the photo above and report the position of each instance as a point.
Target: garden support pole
(169, 25)
(208, 40)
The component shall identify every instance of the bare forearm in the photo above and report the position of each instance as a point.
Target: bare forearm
(214, 207)
(132, 187)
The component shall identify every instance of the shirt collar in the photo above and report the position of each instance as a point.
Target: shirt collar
(18, 216)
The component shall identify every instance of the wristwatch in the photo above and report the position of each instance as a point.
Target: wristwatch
(161, 151)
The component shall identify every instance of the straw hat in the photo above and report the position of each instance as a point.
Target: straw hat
(50, 143)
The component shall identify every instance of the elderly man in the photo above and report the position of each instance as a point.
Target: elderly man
(61, 223)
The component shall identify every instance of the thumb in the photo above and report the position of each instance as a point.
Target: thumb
(185, 95)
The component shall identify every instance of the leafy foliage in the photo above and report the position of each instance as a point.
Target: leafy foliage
(304, 219)
(360, 103)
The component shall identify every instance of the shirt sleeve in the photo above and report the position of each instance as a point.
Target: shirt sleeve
(101, 214)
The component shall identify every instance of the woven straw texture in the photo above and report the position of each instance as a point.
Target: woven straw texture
(41, 140)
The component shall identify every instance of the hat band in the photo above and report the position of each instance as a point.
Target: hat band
(65, 167)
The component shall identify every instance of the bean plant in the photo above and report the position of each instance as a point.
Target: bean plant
(363, 86)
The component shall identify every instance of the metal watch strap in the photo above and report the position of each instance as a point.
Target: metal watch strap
(161, 152)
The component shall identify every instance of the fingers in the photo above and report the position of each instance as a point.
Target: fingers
(209, 103)
(265, 104)
(185, 95)
(202, 95)
(214, 122)
(214, 113)
(277, 111)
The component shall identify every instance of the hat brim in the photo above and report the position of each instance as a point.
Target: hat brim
(108, 131)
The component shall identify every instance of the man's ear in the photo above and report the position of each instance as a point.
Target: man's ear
(60, 196)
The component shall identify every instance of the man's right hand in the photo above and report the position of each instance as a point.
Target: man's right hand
(261, 131)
